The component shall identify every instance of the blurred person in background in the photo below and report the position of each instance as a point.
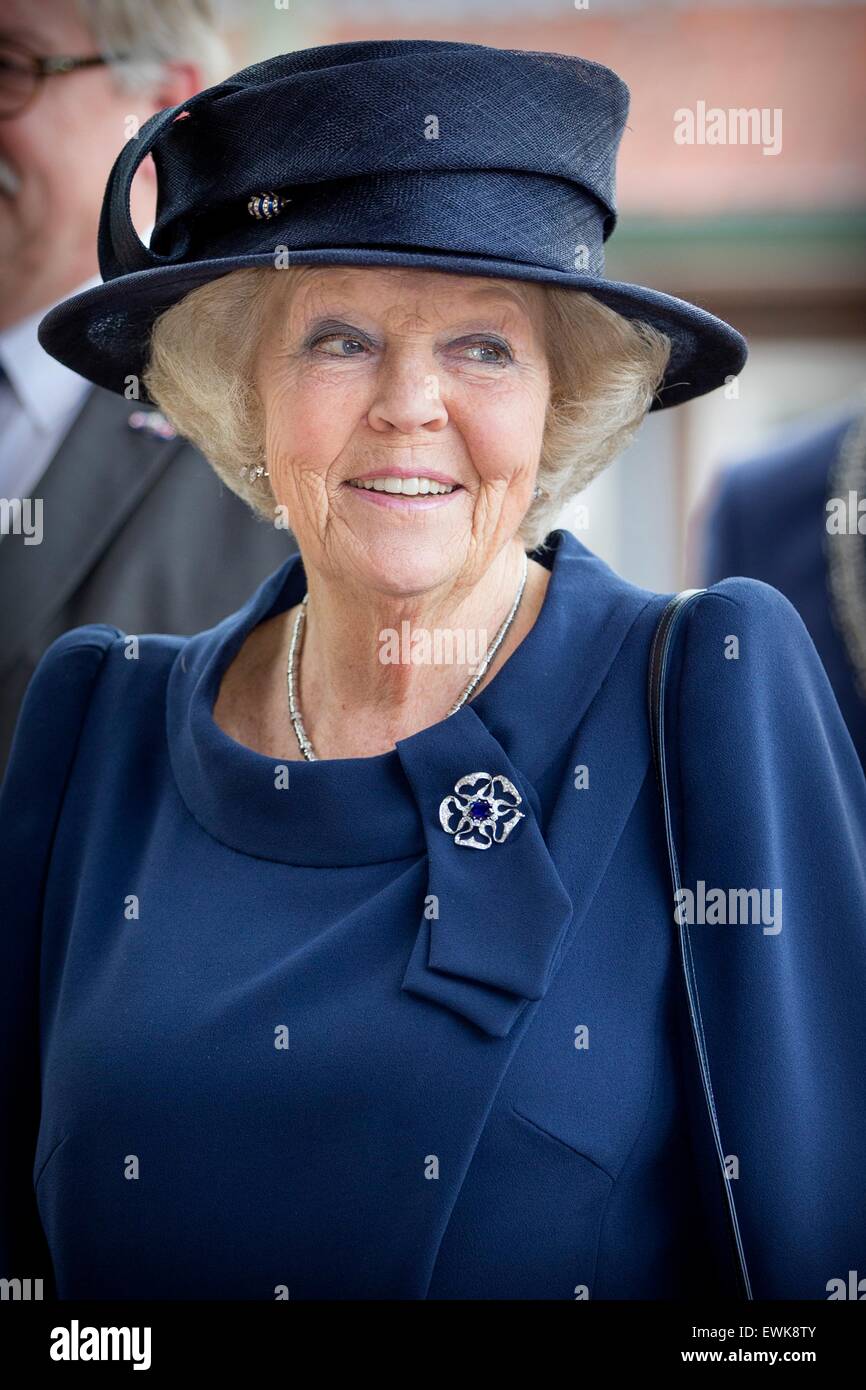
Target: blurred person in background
(96, 492)
(786, 516)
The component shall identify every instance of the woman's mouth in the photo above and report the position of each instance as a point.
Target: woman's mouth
(415, 493)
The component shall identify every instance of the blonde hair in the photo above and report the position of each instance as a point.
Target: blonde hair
(604, 372)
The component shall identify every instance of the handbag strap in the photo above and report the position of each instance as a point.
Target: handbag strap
(658, 666)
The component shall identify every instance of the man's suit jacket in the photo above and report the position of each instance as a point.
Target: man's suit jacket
(768, 521)
(138, 532)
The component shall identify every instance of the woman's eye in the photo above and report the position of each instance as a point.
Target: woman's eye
(488, 345)
(340, 338)
(497, 354)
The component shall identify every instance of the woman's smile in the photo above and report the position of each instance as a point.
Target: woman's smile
(418, 492)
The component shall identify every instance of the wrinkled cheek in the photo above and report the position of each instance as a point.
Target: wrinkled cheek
(487, 511)
(314, 503)
(298, 495)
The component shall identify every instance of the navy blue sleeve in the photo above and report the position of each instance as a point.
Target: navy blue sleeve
(31, 796)
(772, 798)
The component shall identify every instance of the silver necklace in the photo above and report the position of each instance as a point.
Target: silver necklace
(304, 743)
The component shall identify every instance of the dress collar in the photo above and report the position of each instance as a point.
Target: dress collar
(531, 705)
(502, 910)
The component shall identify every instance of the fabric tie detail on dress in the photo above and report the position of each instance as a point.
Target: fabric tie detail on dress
(498, 920)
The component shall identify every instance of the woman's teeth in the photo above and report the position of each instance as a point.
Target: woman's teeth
(409, 487)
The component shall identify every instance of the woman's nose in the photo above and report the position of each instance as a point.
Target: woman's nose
(407, 394)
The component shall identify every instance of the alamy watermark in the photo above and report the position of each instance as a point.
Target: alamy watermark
(739, 125)
(440, 646)
(846, 516)
(77, 1343)
(22, 516)
(730, 907)
(21, 1291)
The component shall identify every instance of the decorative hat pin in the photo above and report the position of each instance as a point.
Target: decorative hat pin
(265, 205)
(482, 811)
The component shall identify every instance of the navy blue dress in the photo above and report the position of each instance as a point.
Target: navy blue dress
(282, 1030)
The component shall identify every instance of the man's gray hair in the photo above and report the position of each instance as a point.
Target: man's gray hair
(157, 32)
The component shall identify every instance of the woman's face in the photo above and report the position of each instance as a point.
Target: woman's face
(366, 372)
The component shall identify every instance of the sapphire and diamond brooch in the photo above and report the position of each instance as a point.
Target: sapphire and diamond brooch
(481, 811)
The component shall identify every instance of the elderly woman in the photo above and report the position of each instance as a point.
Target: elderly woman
(342, 953)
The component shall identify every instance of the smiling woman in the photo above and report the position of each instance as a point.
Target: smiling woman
(317, 392)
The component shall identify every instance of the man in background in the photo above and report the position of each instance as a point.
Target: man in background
(795, 517)
(137, 531)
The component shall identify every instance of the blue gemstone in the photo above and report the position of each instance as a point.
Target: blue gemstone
(479, 810)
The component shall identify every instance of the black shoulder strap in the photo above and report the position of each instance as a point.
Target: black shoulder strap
(659, 654)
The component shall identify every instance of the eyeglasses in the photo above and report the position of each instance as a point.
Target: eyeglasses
(22, 73)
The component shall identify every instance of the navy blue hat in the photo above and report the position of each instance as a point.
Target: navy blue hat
(405, 152)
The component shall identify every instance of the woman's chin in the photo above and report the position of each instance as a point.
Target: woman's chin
(407, 567)
(421, 532)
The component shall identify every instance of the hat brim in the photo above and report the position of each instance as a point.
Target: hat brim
(104, 332)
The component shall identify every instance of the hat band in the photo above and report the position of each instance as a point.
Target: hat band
(533, 218)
